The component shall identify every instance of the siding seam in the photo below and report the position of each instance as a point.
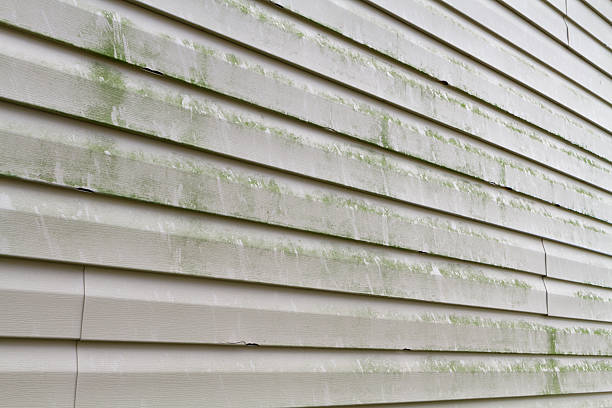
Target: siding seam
(76, 376)
(76, 343)
(566, 26)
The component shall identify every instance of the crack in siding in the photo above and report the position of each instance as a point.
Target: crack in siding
(76, 377)
(76, 343)
(82, 305)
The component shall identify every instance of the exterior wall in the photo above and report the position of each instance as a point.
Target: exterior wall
(232, 203)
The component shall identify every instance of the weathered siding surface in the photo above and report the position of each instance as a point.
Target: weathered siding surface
(286, 203)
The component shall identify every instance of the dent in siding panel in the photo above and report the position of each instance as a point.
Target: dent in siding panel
(139, 306)
(121, 375)
(574, 300)
(556, 56)
(127, 166)
(146, 307)
(195, 114)
(40, 299)
(37, 373)
(80, 227)
(574, 264)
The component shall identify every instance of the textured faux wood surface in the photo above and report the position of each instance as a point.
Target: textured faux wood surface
(286, 203)
(247, 376)
(40, 299)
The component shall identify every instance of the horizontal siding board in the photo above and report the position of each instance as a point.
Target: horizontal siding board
(481, 162)
(294, 203)
(139, 307)
(229, 203)
(123, 374)
(145, 307)
(490, 124)
(558, 401)
(539, 46)
(37, 373)
(92, 229)
(558, 4)
(573, 264)
(590, 21)
(461, 35)
(591, 49)
(39, 299)
(387, 81)
(566, 31)
(541, 14)
(389, 37)
(574, 300)
(602, 7)
(79, 155)
(584, 32)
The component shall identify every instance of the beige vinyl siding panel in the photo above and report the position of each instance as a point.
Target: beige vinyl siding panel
(543, 15)
(215, 71)
(493, 52)
(332, 203)
(433, 61)
(572, 264)
(578, 301)
(602, 8)
(584, 43)
(40, 299)
(285, 377)
(565, 401)
(135, 161)
(562, 27)
(430, 143)
(37, 373)
(139, 306)
(589, 20)
(575, 25)
(388, 81)
(419, 52)
(558, 4)
(87, 216)
(529, 40)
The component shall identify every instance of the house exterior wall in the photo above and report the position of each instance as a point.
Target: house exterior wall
(287, 203)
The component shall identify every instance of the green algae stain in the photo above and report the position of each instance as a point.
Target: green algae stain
(552, 339)
(113, 41)
(551, 370)
(232, 59)
(111, 91)
(248, 9)
(589, 296)
(384, 132)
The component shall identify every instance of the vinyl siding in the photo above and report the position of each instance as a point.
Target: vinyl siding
(241, 203)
